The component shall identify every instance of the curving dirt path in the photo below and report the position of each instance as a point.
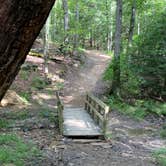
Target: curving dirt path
(85, 79)
(132, 141)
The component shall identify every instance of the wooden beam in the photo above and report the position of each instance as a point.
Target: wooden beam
(60, 109)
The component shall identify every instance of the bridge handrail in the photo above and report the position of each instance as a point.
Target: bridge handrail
(98, 110)
(60, 108)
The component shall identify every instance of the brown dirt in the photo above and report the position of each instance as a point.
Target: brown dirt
(87, 78)
(131, 143)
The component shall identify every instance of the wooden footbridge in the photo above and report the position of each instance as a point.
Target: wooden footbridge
(90, 121)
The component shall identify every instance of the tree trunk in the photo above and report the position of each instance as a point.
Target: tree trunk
(117, 51)
(111, 29)
(109, 24)
(20, 22)
(138, 26)
(91, 38)
(132, 23)
(66, 20)
(46, 39)
(76, 35)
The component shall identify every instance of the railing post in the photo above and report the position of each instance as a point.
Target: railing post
(105, 122)
(98, 111)
(60, 113)
(86, 105)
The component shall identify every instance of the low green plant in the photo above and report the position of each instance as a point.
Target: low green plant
(139, 109)
(163, 133)
(21, 115)
(160, 156)
(59, 85)
(4, 123)
(108, 74)
(24, 75)
(13, 150)
(39, 83)
(110, 53)
(108, 136)
(25, 96)
(48, 113)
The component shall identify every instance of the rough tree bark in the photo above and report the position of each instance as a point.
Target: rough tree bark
(117, 50)
(20, 22)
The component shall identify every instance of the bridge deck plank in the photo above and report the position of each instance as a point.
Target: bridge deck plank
(77, 122)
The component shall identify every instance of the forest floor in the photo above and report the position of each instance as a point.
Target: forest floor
(131, 142)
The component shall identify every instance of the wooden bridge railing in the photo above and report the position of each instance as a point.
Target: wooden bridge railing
(98, 110)
(60, 109)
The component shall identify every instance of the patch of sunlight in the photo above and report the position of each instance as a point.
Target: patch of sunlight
(104, 56)
(76, 123)
(44, 96)
(151, 144)
(38, 99)
(12, 98)
(157, 143)
(140, 131)
(68, 99)
(55, 78)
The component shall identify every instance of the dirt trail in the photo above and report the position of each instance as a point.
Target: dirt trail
(132, 141)
(85, 79)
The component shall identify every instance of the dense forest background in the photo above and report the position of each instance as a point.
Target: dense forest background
(133, 33)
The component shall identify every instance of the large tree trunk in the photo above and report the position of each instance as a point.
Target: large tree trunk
(117, 51)
(20, 22)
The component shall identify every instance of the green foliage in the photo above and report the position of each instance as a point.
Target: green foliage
(129, 79)
(139, 108)
(163, 133)
(148, 57)
(89, 21)
(143, 65)
(19, 115)
(137, 112)
(24, 75)
(25, 96)
(108, 136)
(160, 156)
(13, 150)
(49, 114)
(110, 53)
(108, 74)
(4, 123)
(39, 82)
(59, 85)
